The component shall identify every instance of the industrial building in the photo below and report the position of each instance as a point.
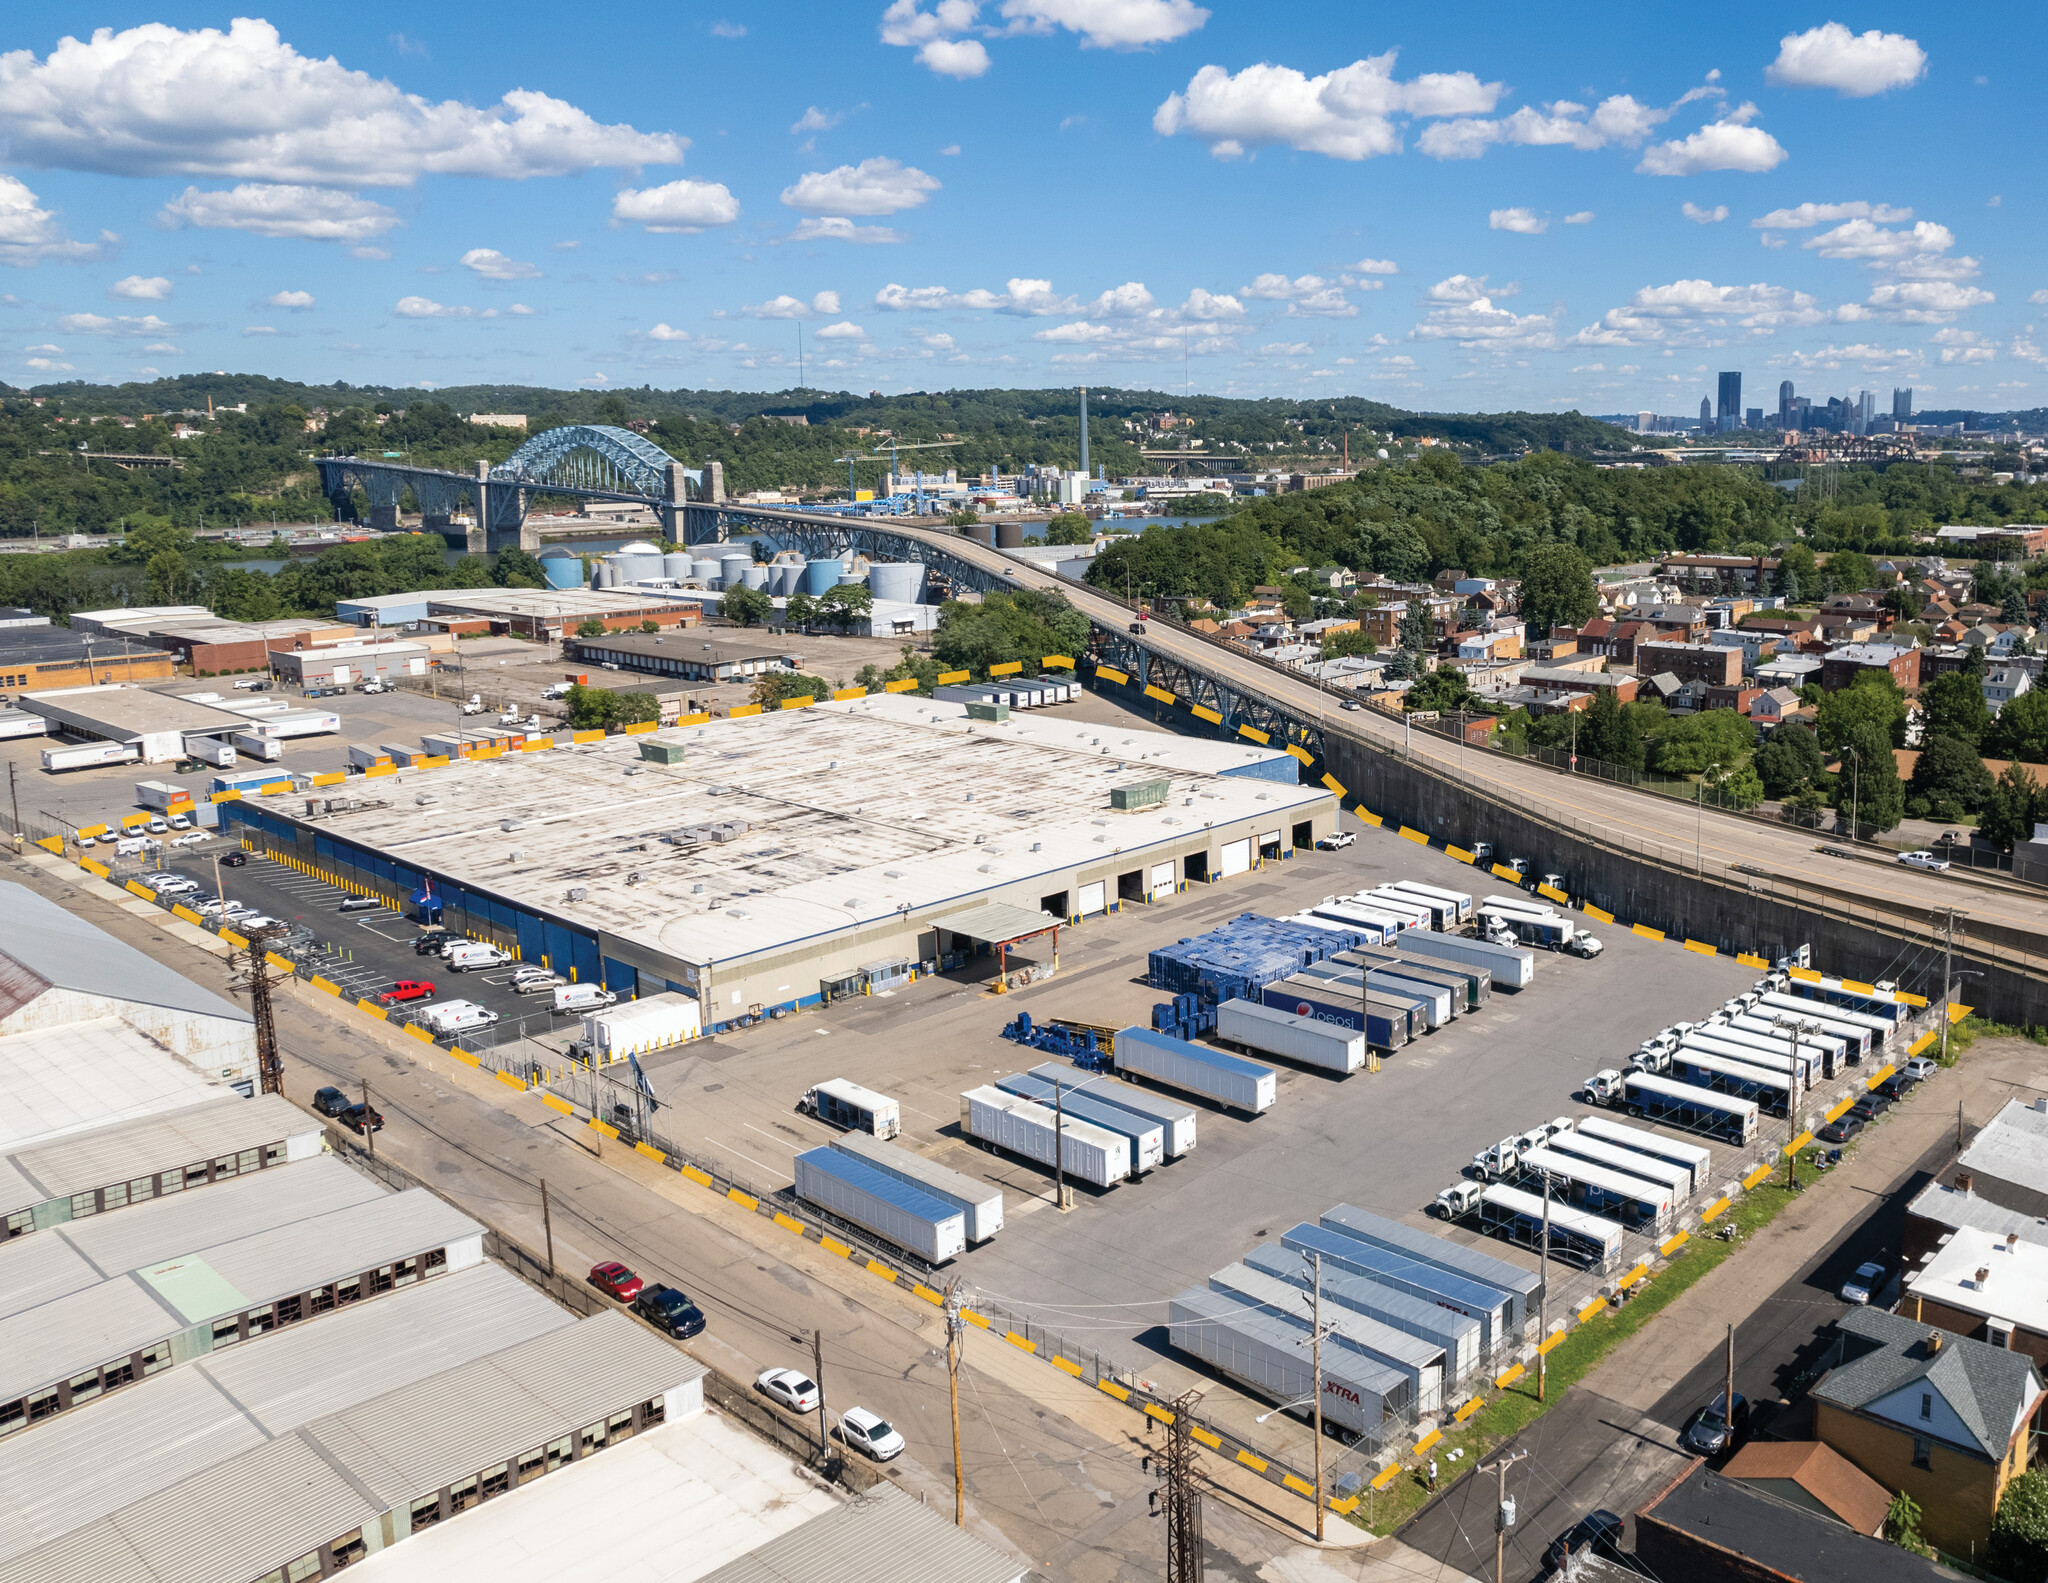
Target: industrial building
(132, 725)
(340, 664)
(722, 658)
(47, 656)
(209, 644)
(528, 612)
(763, 862)
(93, 1031)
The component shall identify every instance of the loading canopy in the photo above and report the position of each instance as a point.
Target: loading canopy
(999, 923)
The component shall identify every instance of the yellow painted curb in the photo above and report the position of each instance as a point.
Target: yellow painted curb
(1750, 1181)
(843, 694)
(371, 1008)
(1300, 752)
(556, 1102)
(701, 1178)
(1467, 1410)
(1799, 1143)
(425, 1037)
(1594, 912)
(1111, 673)
(610, 1131)
(1159, 693)
(642, 727)
(1674, 1242)
(740, 711)
(1007, 668)
(739, 1197)
(510, 1081)
(1701, 948)
(1255, 734)
(1111, 1388)
(1713, 1211)
(1592, 1308)
(804, 702)
(948, 678)
(829, 1244)
(787, 1224)
(1550, 1343)
(1387, 1475)
(1503, 1381)
(883, 1271)
(1203, 712)
(324, 987)
(1428, 1440)
(1414, 835)
(1646, 931)
(1502, 871)
(1068, 1366)
(1459, 853)
(908, 684)
(140, 890)
(1633, 1276)
(651, 1152)
(1752, 961)
(1554, 894)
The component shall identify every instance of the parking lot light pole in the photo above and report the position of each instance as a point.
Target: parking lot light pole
(1700, 817)
(1792, 1104)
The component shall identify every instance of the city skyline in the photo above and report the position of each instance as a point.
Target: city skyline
(1028, 192)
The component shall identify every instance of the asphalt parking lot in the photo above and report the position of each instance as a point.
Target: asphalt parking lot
(1102, 1273)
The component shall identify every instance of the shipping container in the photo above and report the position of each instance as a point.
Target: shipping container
(980, 1204)
(364, 756)
(862, 1195)
(89, 755)
(1176, 1118)
(1304, 1040)
(1430, 1005)
(254, 745)
(1454, 1334)
(1385, 1026)
(1470, 987)
(1487, 1306)
(1086, 1152)
(1430, 1248)
(1438, 911)
(1146, 1137)
(210, 750)
(1636, 1201)
(1228, 1079)
(1512, 966)
(163, 796)
(1865, 1033)
(1354, 914)
(1688, 1106)
(1413, 911)
(1458, 899)
(20, 723)
(1690, 1157)
(1265, 1354)
(1716, 1041)
(839, 1103)
(1420, 1362)
(1674, 1179)
(1369, 934)
(1574, 1236)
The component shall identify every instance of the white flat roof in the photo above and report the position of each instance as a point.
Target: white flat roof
(856, 811)
(57, 1081)
(2015, 1290)
(122, 713)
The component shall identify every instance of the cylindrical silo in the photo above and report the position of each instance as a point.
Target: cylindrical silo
(852, 580)
(786, 578)
(562, 569)
(607, 574)
(981, 532)
(757, 577)
(820, 576)
(733, 568)
(1009, 535)
(900, 581)
(676, 566)
(704, 570)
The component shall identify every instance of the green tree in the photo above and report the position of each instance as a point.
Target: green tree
(2012, 609)
(1557, 588)
(1739, 788)
(771, 689)
(1873, 700)
(2019, 1530)
(1690, 743)
(1024, 626)
(1870, 789)
(601, 709)
(1790, 760)
(1606, 733)
(1442, 690)
(847, 603)
(650, 625)
(1417, 632)
(910, 667)
(1953, 706)
(1850, 571)
(472, 571)
(2021, 729)
(1902, 1525)
(167, 580)
(1070, 527)
(1342, 645)
(1950, 777)
(799, 610)
(1297, 601)
(965, 518)
(590, 627)
(745, 607)
(515, 568)
(2012, 809)
(236, 594)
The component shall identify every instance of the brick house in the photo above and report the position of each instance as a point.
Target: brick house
(1701, 662)
(1839, 667)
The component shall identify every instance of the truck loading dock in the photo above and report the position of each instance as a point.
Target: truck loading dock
(787, 850)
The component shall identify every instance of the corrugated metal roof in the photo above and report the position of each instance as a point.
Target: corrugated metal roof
(124, 1150)
(79, 1467)
(65, 951)
(995, 921)
(883, 1534)
(80, 1075)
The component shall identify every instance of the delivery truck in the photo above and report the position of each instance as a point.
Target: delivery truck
(863, 1195)
(1146, 1137)
(981, 1204)
(1421, 1362)
(1087, 1153)
(1490, 1307)
(1307, 1041)
(1229, 1080)
(1176, 1118)
(1455, 1334)
(1266, 1355)
(1458, 900)
(1385, 1024)
(839, 1103)
(1512, 966)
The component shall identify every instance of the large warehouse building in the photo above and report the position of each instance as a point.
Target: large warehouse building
(775, 860)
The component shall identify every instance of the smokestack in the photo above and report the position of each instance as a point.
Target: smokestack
(1084, 431)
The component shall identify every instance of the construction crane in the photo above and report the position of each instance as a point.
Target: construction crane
(893, 448)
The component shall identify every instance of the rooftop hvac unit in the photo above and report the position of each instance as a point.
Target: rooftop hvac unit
(577, 893)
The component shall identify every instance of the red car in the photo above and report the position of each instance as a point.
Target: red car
(615, 1280)
(406, 989)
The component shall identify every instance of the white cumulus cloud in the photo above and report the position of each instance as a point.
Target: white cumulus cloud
(664, 332)
(427, 308)
(141, 288)
(1854, 65)
(1730, 143)
(30, 233)
(1808, 215)
(941, 35)
(1915, 302)
(1306, 296)
(1619, 118)
(1347, 113)
(837, 228)
(1697, 312)
(684, 207)
(845, 330)
(1523, 222)
(290, 301)
(874, 186)
(1023, 297)
(280, 209)
(1699, 216)
(1461, 313)
(119, 324)
(494, 265)
(156, 100)
(1583, 217)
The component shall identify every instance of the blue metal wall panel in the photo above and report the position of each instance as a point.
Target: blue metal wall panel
(532, 938)
(589, 968)
(561, 950)
(620, 979)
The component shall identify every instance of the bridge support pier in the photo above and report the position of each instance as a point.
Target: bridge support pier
(384, 518)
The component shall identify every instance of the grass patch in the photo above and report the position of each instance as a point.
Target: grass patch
(1583, 1348)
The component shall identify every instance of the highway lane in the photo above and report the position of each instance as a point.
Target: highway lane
(1656, 825)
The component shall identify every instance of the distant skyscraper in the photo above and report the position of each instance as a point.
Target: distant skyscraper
(1785, 405)
(1902, 404)
(1706, 413)
(1866, 411)
(1731, 397)
(1753, 419)
(1646, 423)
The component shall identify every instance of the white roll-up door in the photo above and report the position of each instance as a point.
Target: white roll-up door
(1237, 857)
(1163, 876)
(1092, 899)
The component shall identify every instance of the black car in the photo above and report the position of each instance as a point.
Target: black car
(670, 1311)
(1713, 1430)
(1841, 1129)
(352, 1118)
(1598, 1531)
(1870, 1106)
(430, 942)
(233, 859)
(1897, 1086)
(330, 1102)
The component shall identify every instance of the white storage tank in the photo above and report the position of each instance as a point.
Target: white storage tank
(788, 578)
(676, 565)
(733, 569)
(899, 581)
(704, 569)
(756, 577)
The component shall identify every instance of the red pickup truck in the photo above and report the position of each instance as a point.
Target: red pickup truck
(406, 989)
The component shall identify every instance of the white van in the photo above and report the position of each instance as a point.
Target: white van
(457, 1016)
(131, 846)
(474, 954)
(582, 997)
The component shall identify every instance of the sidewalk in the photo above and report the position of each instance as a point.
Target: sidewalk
(1642, 1369)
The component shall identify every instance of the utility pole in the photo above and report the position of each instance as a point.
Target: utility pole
(1728, 1401)
(14, 796)
(547, 1224)
(1543, 1296)
(1059, 1147)
(955, 1339)
(1948, 960)
(818, 1374)
(1792, 1108)
(369, 1124)
(1183, 1500)
(253, 972)
(1503, 1516)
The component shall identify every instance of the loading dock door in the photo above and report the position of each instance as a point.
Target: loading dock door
(1162, 880)
(1237, 857)
(1269, 844)
(1092, 901)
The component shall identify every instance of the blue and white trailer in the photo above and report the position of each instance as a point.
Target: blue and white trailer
(1573, 1235)
(1690, 1107)
(1490, 1307)
(1771, 1090)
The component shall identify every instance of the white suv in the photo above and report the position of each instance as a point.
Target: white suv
(869, 1432)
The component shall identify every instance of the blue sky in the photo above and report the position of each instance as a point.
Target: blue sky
(1457, 207)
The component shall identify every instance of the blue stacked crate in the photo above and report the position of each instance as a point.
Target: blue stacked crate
(1236, 961)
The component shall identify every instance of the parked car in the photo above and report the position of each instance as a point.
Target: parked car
(1870, 1106)
(159, 825)
(353, 1118)
(1865, 1284)
(430, 942)
(330, 1102)
(1599, 1532)
(1897, 1086)
(794, 1390)
(1921, 1067)
(181, 821)
(537, 982)
(615, 1280)
(250, 922)
(360, 904)
(1337, 842)
(1138, 627)
(1714, 1429)
(870, 1432)
(1924, 859)
(670, 1311)
(1841, 1129)
(196, 838)
(170, 884)
(406, 989)
(233, 859)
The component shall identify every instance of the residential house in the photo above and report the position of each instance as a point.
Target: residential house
(1554, 647)
(1815, 1478)
(1447, 581)
(1939, 1210)
(1690, 697)
(1930, 1414)
(1998, 642)
(1846, 627)
(1756, 646)
(1942, 658)
(1738, 697)
(1356, 672)
(1615, 638)
(1773, 707)
(1663, 688)
(2004, 683)
(1334, 577)
(1383, 623)
(1708, 574)
(1706, 663)
(1505, 644)
(1679, 623)
(1989, 1287)
(1327, 627)
(1556, 680)
(2007, 1162)
(1839, 667)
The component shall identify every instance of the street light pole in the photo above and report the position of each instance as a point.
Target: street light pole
(1700, 818)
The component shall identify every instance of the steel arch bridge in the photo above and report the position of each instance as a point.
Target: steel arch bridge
(585, 461)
